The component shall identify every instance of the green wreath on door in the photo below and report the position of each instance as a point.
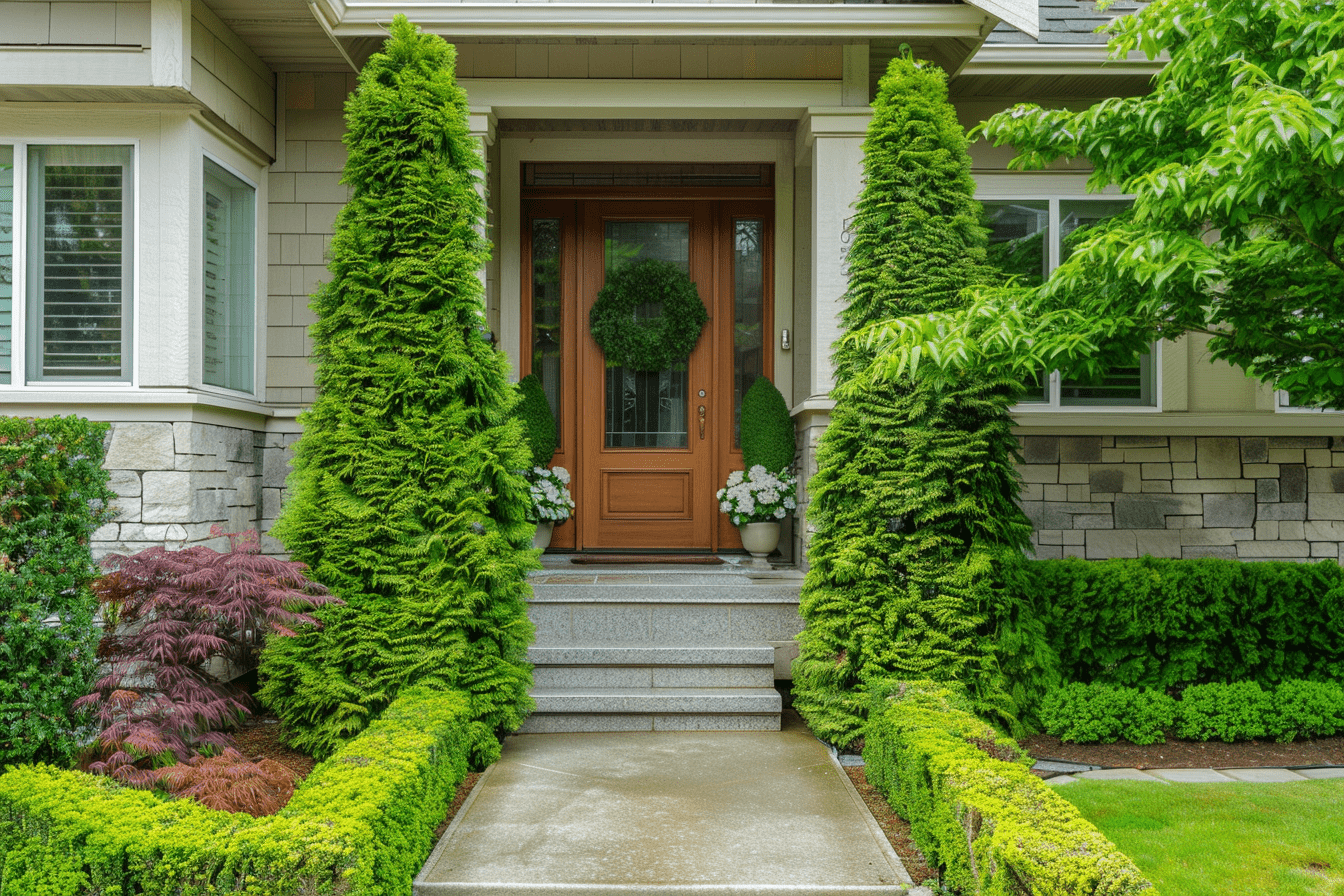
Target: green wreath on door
(649, 344)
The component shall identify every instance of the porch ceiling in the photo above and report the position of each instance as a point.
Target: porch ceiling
(334, 35)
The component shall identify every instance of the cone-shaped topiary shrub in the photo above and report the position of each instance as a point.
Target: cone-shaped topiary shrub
(534, 413)
(406, 499)
(914, 502)
(767, 428)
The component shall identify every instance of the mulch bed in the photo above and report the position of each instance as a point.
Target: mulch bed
(463, 791)
(1191, 754)
(894, 826)
(259, 738)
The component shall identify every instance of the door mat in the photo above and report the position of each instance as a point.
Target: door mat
(631, 559)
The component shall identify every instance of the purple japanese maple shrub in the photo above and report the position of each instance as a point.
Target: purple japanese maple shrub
(173, 613)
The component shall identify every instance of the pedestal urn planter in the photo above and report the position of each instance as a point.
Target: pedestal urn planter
(542, 538)
(759, 538)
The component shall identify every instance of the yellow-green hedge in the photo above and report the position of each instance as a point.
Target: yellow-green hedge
(993, 827)
(360, 824)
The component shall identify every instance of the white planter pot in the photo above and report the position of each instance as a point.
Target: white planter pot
(542, 538)
(759, 538)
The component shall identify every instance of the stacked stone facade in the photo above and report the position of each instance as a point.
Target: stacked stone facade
(175, 481)
(1247, 498)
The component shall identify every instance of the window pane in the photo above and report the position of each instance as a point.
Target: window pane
(79, 275)
(748, 313)
(546, 335)
(1076, 215)
(647, 409)
(228, 290)
(1017, 240)
(1120, 386)
(1131, 385)
(6, 262)
(1019, 250)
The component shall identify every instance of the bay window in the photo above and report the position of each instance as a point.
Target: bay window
(228, 289)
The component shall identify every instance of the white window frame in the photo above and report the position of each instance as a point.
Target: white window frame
(257, 231)
(1053, 246)
(19, 320)
(1282, 405)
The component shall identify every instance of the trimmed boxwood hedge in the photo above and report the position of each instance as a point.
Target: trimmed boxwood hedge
(975, 810)
(360, 824)
(1169, 623)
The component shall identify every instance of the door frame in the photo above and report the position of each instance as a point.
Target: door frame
(570, 206)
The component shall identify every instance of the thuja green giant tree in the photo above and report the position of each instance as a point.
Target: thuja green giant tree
(914, 501)
(405, 497)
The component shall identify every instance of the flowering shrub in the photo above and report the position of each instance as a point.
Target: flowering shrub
(758, 496)
(550, 493)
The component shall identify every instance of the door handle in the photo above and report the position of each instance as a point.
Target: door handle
(702, 423)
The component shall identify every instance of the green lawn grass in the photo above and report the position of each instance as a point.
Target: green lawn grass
(1223, 839)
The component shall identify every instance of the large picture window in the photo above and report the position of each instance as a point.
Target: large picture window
(228, 290)
(1028, 240)
(79, 263)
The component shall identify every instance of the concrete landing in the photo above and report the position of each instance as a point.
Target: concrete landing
(673, 813)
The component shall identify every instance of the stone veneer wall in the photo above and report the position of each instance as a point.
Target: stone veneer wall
(1248, 498)
(174, 481)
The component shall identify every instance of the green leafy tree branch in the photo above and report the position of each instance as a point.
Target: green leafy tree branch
(1236, 164)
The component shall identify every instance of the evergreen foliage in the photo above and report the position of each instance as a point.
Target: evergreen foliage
(767, 429)
(534, 413)
(914, 502)
(407, 500)
(53, 495)
(628, 336)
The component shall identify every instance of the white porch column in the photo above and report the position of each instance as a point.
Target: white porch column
(481, 123)
(830, 148)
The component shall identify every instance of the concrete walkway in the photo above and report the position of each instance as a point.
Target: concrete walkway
(667, 813)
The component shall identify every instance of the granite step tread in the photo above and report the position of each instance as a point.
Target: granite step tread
(626, 654)
(737, 593)
(657, 700)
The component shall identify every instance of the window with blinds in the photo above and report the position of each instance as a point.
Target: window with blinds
(6, 264)
(228, 290)
(80, 227)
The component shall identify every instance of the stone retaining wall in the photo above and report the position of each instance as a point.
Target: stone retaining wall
(174, 481)
(1248, 498)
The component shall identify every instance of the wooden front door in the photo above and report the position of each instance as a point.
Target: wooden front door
(648, 450)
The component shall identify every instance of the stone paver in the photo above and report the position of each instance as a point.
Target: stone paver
(1321, 773)
(1117, 774)
(1190, 775)
(1060, 780)
(1263, 775)
(667, 813)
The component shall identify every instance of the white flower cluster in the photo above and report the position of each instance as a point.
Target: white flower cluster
(550, 493)
(758, 496)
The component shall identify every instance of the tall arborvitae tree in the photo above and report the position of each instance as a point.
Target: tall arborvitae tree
(406, 499)
(915, 500)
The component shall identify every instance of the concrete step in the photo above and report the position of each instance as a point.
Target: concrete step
(653, 666)
(653, 709)
(616, 652)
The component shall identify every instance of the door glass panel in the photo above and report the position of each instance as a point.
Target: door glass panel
(646, 409)
(748, 314)
(546, 309)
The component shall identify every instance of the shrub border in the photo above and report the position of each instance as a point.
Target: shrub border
(361, 823)
(990, 824)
